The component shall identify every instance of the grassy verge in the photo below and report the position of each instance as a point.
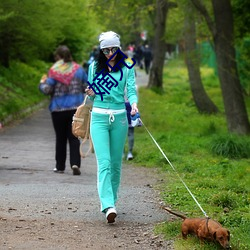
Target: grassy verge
(19, 88)
(214, 164)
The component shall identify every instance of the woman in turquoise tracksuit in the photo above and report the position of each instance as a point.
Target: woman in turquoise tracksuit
(109, 123)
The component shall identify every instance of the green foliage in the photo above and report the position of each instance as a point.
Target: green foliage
(219, 183)
(175, 25)
(128, 18)
(224, 200)
(231, 146)
(243, 59)
(170, 230)
(19, 87)
(29, 33)
(241, 17)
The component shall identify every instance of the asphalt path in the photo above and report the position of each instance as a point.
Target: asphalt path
(31, 190)
(26, 164)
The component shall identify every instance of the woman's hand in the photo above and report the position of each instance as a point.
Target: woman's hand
(89, 91)
(134, 109)
(43, 79)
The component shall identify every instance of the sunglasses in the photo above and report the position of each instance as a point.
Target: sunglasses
(107, 51)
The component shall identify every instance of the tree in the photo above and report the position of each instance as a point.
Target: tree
(28, 33)
(242, 33)
(156, 72)
(241, 17)
(201, 99)
(126, 17)
(223, 38)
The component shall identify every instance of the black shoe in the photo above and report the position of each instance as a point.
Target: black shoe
(76, 170)
(58, 171)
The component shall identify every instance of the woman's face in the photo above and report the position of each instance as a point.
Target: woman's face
(108, 52)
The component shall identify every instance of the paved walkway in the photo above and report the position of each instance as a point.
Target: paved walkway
(26, 163)
(29, 189)
(27, 158)
(141, 78)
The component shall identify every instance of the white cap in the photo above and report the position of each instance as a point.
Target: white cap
(109, 39)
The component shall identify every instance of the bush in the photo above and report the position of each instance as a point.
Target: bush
(19, 88)
(223, 200)
(231, 146)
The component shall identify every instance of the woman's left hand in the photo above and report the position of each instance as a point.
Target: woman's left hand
(134, 109)
(89, 91)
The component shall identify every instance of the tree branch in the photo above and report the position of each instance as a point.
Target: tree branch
(202, 9)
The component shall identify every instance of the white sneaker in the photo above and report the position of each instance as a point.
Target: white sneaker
(130, 156)
(111, 214)
(58, 171)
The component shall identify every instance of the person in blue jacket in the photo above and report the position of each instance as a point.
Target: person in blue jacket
(65, 83)
(108, 78)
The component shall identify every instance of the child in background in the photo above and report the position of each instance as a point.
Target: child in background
(130, 133)
(130, 127)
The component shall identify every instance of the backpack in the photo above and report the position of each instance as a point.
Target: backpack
(81, 126)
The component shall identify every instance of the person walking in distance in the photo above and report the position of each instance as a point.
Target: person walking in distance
(147, 58)
(65, 83)
(109, 123)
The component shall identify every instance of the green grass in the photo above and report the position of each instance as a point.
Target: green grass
(214, 164)
(19, 88)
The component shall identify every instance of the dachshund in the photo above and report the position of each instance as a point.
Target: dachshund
(204, 229)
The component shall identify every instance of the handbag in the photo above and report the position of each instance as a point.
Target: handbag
(81, 126)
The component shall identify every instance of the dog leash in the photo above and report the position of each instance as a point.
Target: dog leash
(174, 169)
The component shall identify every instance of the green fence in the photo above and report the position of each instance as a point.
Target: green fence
(208, 58)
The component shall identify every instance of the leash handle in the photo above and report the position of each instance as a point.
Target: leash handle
(174, 169)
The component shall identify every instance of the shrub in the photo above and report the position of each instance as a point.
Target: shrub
(223, 200)
(231, 146)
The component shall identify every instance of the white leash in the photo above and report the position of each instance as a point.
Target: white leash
(174, 169)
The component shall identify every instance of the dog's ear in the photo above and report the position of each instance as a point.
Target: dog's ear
(214, 235)
(228, 237)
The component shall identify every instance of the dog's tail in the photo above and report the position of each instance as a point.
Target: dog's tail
(175, 213)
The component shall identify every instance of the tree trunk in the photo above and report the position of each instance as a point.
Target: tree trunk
(159, 47)
(223, 38)
(201, 99)
(235, 109)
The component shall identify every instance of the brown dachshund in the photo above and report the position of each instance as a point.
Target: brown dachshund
(204, 229)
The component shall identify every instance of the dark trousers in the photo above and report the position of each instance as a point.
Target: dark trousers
(62, 122)
(131, 139)
(147, 65)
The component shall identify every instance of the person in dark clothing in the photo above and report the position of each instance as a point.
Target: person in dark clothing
(147, 58)
(65, 83)
(139, 56)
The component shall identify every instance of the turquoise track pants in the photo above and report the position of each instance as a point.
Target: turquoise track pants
(108, 136)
